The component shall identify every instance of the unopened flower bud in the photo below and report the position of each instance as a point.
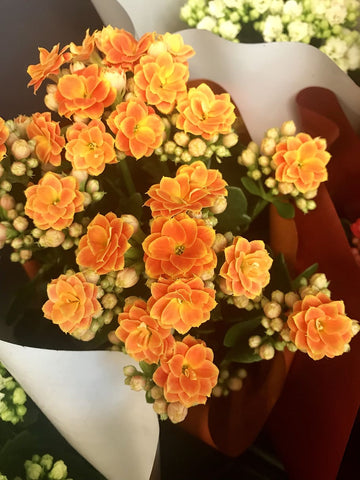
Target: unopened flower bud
(272, 309)
(16, 243)
(20, 224)
(308, 290)
(285, 188)
(291, 298)
(109, 301)
(219, 206)
(18, 169)
(230, 140)
(256, 174)
(277, 324)
(131, 220)
(59, 471)
(268, 146)
(288, 128)
(25, 254)
(254, 341)
(75, 230)
(270, 182)
(156, 392)
(91, 276)
(197, 147)
(114, 340)
(176, 412)
(217, 391)
(137, 383)
(7, 202)
(129, 370)
(248, 158)
(3, 230)
(19, 396)
(263, 161)
(160, 406)
(285, 334)
(207, 275)
(265, 322)
(181, 138)
(157, 48)
(52, 238)
(117, 79)
(6, 186)
(301, 203)
(319, 281)
(355, 327)
(266, 351)
(220, 243)
(21, 149)
(310, 205)
(310, 194)
(240, 301)
(278, 296)
(80, 175)
(33, 471)
(234, 384)
(92, 186)
(67, 244)
(127, 278)
(254, 147)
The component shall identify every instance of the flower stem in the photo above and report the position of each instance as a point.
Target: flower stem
(129, 183)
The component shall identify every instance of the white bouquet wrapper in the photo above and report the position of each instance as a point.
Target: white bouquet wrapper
(83, 393)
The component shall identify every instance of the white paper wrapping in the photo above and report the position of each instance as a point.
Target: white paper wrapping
(83, 394)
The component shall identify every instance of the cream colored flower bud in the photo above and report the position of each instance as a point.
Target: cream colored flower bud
(1, 170)
(16, 243)
(7, 202)
(75, 230)
(129, 370)
(273, 133)
(91, 276)
(197, 147)
(14, 257)
(114, 340)
(11, 139)
(52, 238)
(268, 146)
(265, 322)
(223, 288)
(32, 162)
(6, 186)
(131, 220)
(308, 290)
(310, 194)
(127, 278)
(234, 384)
(254, 147)
(355, 327)
(25, 254)
(160, 406)
(20, 124)
(181, 138)
(80, 175)
(270, 182)
(288, 128)
(20, 224)
(272, 309)
(291, 298)
(176, 412)
(241, 373)
(169, 147)
(157, 392)
(285, 334)
(117, 79)
(92, 186)
(186, 157)
(310, 205)
(230, 140)
(220, 243)
(208, 275)
(240, 301)
(18, 169)
(87, 199)
(217, 391)
(248, 158)
(277, 324)
(12, 214)
(319, 280)
(21, 149)
(219, 206)
(301, 203)
(157, 48)
(278, 296)
(254, 341)
(86, 336)
(256, 174)
(266, 351)
(109, 301)
(3, 230)
(137, 383)
(285, 188)
(51, 102)
(67, 244)
(263, 161)
(75, 66)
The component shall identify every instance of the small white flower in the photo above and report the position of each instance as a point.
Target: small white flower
(229, 30)
(298, 31)
(292, 9)
(261, 6)
(273, 28)
(336, 14)
(217, 8)
(207, 23)
(236, 4)
(276, 7)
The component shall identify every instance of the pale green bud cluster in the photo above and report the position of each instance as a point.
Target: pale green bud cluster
(229, 380)
(45, 468)
(12, 398)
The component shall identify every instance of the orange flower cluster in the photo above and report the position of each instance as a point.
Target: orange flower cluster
(246, 267)
(182, 303)
(50, 63)
(105, 243)
(189, 375)
(72, 302)
(144, 338)
(320, 327)
(83, 52)
(194, 187)
(85, 93)
(301, 160)
(139, 130)
(53, 202)
(160, 81)
(172, 43)
(89, 147)
(49, 141)
(204, 113)
(121, 48)
(179, 247)
(4, 134)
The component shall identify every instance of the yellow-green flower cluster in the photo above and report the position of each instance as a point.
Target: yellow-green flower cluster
(12, 398)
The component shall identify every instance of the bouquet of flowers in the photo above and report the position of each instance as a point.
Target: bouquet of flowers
(141, 216)
(329, 26)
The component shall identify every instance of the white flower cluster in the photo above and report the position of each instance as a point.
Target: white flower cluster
(327, 24)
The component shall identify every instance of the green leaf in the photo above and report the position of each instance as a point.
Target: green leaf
(279, 276)
(242, 354)
(235, 216)
(295, 284)
(147, 368)
(284, 209)
(251, 186)
(241, 330)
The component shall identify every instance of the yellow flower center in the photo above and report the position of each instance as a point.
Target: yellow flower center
(188, 372)
(179, 249)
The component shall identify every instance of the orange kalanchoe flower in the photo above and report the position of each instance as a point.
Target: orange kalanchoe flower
(53, 202)
(105, 243)
(189, 375)
(83, 52)
(179, 247)
(121, 48)
(72, 302)
(182, 303)
(137, 127)
(193, 188)
(90, 147)
(302, 160)
(172, 43)
(160, 81)
(85, 93)
(144, 338)
(50, 63)
(246, 267)
(4, 134)
(204, 113)
(320, 327)
(49, 141)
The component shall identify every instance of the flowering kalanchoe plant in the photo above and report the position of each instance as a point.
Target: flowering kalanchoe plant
(328, 25)
(126, 208)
